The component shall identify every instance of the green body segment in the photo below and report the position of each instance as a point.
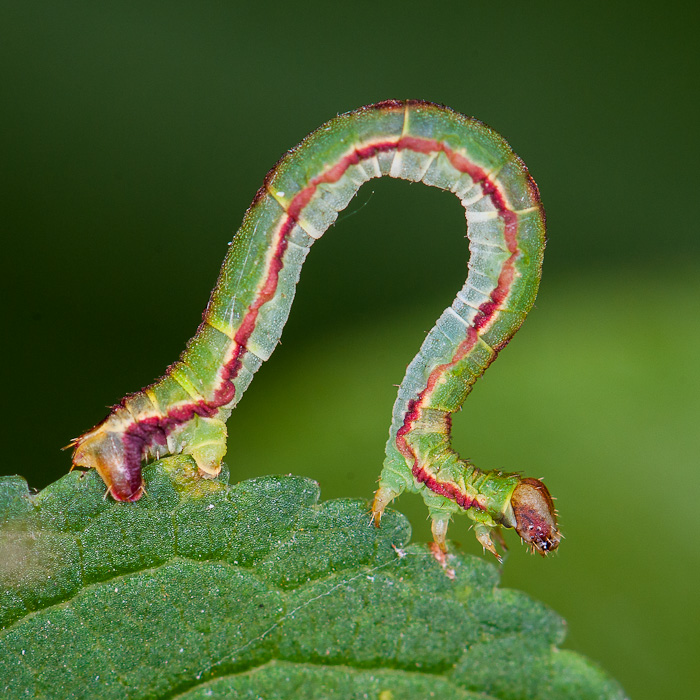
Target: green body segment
(186, 410)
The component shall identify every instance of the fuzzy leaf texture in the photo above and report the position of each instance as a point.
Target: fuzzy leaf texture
(205, 590)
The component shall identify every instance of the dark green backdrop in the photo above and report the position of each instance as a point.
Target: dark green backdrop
(133, 136)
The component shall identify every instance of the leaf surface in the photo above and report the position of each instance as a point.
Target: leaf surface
(258, 590)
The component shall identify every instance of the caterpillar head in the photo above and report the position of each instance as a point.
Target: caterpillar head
(535, 516)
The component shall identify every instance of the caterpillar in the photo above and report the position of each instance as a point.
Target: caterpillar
(185, 411)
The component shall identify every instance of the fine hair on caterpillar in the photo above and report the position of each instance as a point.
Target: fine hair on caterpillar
(185, 411)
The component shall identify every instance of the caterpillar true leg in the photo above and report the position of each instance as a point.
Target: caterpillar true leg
(186, 410)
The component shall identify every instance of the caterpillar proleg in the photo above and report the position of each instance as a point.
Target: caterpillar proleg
(185, 411)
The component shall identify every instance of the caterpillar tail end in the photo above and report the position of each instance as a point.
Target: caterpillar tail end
(104, 450)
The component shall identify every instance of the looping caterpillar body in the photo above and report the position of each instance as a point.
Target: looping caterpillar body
(185, 411)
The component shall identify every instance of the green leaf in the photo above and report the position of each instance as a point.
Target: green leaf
(205, 590)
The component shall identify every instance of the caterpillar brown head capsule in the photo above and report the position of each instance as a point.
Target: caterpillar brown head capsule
(535, 516)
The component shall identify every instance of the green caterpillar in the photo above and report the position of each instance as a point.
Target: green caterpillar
(186, 410)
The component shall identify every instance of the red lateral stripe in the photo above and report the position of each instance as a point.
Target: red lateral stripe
(444, 488)
(144, 432)
(299, 202)
(478, 174)
(486, 314)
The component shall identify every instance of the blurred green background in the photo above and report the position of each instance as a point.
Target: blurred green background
(133, 136)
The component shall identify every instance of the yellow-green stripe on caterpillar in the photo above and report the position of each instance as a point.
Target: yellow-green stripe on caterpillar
(185, 411)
